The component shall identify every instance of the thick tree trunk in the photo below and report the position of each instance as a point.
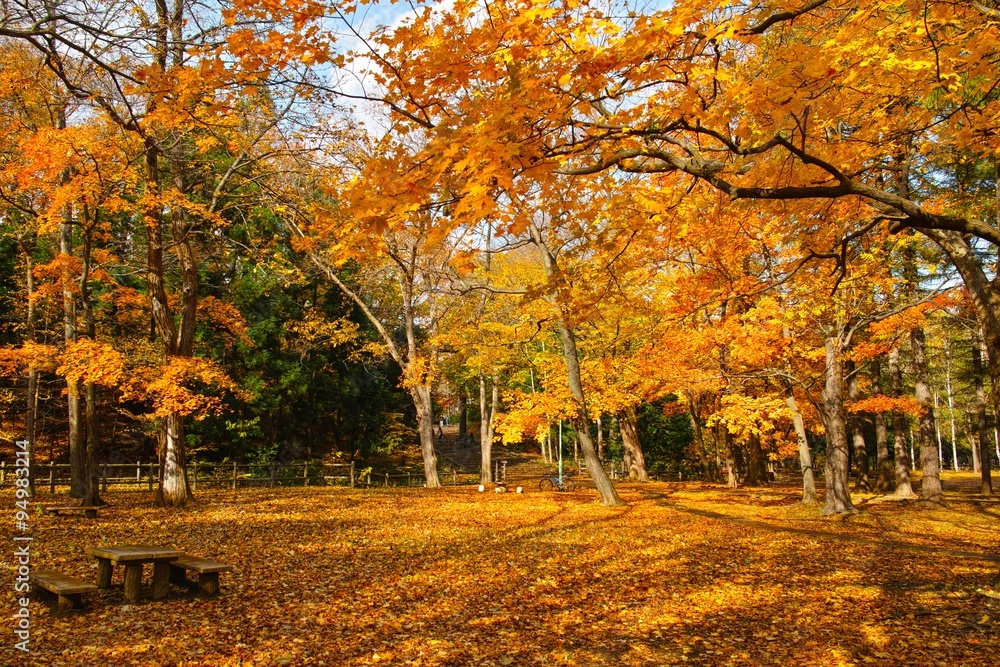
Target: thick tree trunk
(930, 485)
(92, 488)
(732, 476)
(699, 437)
(904, 488)
(982, 424)
(487, 408)
(173, 490)
(629, 424)
(884, 480)
(985, 295)
(421, 395)
(838, 496)
(860, 447)
(739, 461)
(756, 468)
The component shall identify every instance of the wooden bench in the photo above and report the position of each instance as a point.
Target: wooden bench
(68, 589)
(89, 511)
(207, 570)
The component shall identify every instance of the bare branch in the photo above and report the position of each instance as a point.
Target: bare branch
(780, 17)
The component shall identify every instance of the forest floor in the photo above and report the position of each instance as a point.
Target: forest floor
(684, 574)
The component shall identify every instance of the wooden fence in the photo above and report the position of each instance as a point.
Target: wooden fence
(141, 476)
(144, 476)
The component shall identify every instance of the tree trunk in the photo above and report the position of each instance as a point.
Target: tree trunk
(173, 489)
(579, 418)
(971, 434)
(487, 408)
(699, 437)
(732, 476)
(77, 434)
(32, 402)
(91, 492)
(421, 395)
(92, 488)
(581, 422)
(985, 295)
(884, 481)
(982, 425)
(951, 404)
(861, 479)
(629, 424)
(904, 488)
(930, 485)
(838, 497)
(600, 439)
(739, 461)
(756, 469)
(463, 416)
(805, 457)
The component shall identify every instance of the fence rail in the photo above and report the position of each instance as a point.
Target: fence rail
(145, 476)
(142, 476)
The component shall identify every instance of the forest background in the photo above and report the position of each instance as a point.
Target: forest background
(709, 237)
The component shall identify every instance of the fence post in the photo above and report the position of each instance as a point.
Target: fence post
(369, 478)
(194, 475)
(104, 478)
(387, 480)
(3, 472)
(503, 470)
(138, 473)
(305, 474)
(234, 475)
(454, 478)
(52, 477)
(271, 483)
(352, 474)
(150, 476)
(407, 479)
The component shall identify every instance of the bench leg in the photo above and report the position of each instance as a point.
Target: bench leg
(104, 568)
(69, 602)
(161, 579)
(91, 514)
(208, 583)
(133, 578)
(177, 575)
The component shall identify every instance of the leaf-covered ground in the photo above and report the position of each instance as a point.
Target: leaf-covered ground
(686, 574)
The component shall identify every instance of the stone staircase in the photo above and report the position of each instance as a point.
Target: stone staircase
(452, 455)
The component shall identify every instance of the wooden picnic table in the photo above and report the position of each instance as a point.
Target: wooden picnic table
(133, 557)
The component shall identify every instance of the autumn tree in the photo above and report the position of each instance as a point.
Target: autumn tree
(175, 83)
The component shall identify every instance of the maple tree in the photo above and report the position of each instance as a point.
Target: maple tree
(173, 86)
(595, 99)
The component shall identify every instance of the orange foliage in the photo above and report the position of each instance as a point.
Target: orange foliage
(881, 404)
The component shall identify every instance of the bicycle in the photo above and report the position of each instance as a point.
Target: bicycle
(550, 483)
